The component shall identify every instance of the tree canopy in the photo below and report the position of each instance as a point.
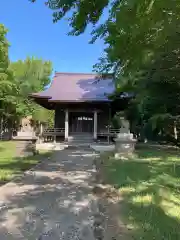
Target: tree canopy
(18, 80)
(7, 86)
(30, 75)
(142, 50)
(81, 12)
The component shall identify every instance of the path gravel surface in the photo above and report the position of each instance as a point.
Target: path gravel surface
(54, 201)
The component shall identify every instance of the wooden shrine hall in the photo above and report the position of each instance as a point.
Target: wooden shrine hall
(82, 105)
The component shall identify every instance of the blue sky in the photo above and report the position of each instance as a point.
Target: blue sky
(32, 33)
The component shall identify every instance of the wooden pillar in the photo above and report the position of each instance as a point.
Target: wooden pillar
(95, 125)
(109, 124)
(41, 133)
(66, 124)
(55, 124)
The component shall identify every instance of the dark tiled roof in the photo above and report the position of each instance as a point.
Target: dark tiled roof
(72, 87)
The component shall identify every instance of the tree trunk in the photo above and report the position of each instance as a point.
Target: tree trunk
(175, 130)
(1, 128)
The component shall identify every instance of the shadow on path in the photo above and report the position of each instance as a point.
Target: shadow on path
(52, 202)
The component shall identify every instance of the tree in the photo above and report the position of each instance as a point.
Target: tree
(133, 30)
(17, 81)
(30, 75)
(44, 116)
(7, 86)
(142, 51)
(83, 12)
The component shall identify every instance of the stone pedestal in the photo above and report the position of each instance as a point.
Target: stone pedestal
(25, 135)
(26, 143)
(124, 145)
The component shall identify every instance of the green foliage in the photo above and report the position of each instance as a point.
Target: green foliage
(143, 52)
(43, 115)
(30, 75)
(17, 81)
(7, 86)
(81, 12)
(116, 122)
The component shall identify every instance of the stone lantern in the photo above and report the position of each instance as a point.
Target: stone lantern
(124, 142)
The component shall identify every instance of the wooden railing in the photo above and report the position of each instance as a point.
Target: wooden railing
(111, 132)
(61, 131)
(53, 132)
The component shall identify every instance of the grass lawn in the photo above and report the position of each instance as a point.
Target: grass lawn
(11, 165)
(150, 186)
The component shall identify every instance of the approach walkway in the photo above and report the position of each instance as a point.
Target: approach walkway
(52, 202)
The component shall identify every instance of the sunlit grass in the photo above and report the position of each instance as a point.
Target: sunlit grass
(150, 186)
(11, 165)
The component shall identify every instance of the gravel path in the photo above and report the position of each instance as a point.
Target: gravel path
(52, 202)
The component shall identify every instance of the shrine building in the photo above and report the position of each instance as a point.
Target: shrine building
(81, 103)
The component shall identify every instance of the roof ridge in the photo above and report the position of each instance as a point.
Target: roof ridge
(75, 73)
